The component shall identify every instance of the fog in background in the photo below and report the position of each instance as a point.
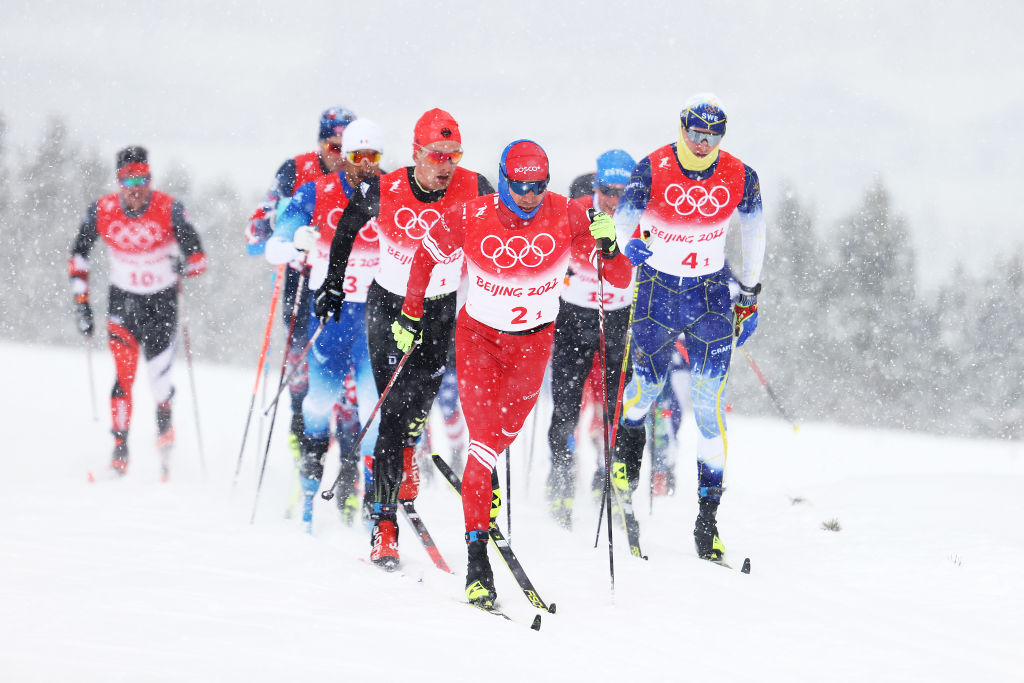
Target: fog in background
(822, 96)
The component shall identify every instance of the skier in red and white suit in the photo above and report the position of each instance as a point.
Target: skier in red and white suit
(150, 243)
(517, 245)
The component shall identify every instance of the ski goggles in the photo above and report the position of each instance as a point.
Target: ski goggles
(699, 136)
(611, 190)
(360, 157)
(332, 147)
(526, 186)
(134, 181)
(439, 158)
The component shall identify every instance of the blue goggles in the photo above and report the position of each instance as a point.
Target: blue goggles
(525, 187)
(134, 181)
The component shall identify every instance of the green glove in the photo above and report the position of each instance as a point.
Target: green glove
(407, 330)
(602, 228)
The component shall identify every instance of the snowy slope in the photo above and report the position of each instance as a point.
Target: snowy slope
(135, 580)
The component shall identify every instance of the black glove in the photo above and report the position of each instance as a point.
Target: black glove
(83, 318)
(328, 300)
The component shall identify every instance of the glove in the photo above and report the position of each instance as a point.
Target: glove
(745, 313)
(602, 228)
(193, 266)
(637, 252)
(305, 238)
(83, 318)
(405, 330)
(328, 300)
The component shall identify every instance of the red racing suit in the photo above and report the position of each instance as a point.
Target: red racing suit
(503, 335)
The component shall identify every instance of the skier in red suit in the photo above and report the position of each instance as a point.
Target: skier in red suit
(517, 244)
(150, 244)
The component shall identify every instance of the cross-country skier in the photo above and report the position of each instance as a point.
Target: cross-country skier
(150, 245)
(306, 227)
(292, 174)
(577, 337)
(406, 203)
(684, 195)
(517, 245)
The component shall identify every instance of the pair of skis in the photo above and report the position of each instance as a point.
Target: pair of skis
(500, 543)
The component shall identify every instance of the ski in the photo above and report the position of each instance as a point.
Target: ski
(502, 544)
(744, 569)
(534, 625)
(409, 509)
(625, 500)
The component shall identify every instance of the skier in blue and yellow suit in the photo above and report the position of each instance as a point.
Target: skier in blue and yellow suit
(682, 196)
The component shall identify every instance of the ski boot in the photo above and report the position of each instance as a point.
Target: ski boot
(346, 494)
(560, 495)
(479, 577)
(119, 458)
(311, 471)
(164, 438)
(705, 532)
(384, 539)
(410, 487)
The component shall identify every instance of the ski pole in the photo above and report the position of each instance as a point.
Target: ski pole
(508, 490)
(92, 379)
(280, 383)
(327, 494)
(768, 388)
(191, 372)
(605, 436)
(278, 278)
(295, 368)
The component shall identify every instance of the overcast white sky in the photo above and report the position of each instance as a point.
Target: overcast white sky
(821, 96)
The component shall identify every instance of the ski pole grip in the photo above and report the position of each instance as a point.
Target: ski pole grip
(604, 243)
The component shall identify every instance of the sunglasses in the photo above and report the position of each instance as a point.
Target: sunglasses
(524, 187)
(135, 181)
(360, 157)
(702, 136)
(610, 190)
(443, 157)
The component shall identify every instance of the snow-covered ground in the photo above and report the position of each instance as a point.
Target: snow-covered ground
(135, 580)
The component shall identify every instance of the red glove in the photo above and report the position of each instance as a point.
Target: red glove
(195, 265)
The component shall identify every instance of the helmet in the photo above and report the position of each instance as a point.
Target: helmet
(522, 160)
(334, 120)
(362, 134)
(614, 167)
(704, 111)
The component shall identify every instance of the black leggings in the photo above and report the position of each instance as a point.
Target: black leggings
(403, 414)
(577, 339)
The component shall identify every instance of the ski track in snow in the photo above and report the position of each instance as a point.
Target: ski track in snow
(134, 580)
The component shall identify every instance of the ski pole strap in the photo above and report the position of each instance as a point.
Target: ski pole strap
(477, 535)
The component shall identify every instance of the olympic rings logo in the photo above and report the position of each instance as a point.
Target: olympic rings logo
(530, 253)
(416, 225)
(135, 235)
(697, 199)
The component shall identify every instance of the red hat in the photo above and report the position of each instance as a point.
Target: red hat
(436, 125)
(525, 160)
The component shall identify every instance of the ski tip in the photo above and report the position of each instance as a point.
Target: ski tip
(536, 623)
(90, 477)
(552, 607)
(645, 557)
(746, 566)
(327, 494)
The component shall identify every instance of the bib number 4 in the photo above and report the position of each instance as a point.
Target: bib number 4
(691, 260)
